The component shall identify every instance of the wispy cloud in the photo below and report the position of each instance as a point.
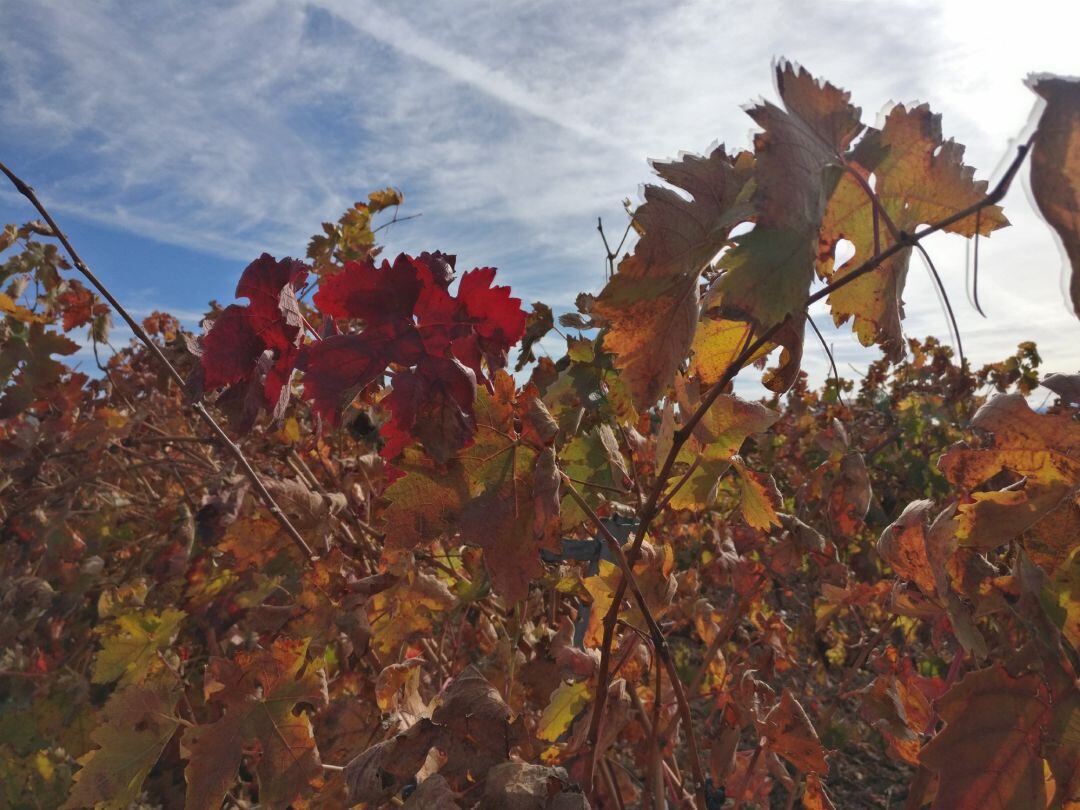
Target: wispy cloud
(511, 128)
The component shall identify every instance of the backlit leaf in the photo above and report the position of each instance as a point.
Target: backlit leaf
(651, 303)
(1055, 167)
(988, 755)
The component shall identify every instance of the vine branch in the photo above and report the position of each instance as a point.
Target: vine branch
(223, 438)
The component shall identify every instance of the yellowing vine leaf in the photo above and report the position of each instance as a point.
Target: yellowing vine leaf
(988, 756)
(592, 459)
(1055, 167)
(261, 693)
(761, 500)
(918, 178)
(651, 304)
(717, 343)
(131, 644)
(135, 726)
(715, 440)
(406, 610)
(567, 702)
(1044, 448)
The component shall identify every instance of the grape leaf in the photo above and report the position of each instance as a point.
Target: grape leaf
(566, 703)
(1043, 448)
(260, 693)
(988, 756)
(761, 500)
(918, 178)
(716, 438)
(406, 610)
(651, 303)
(592, 459)
(135, 726)
(539, 322)
(470, 724)
(717, 343)
(768, 273)
(792, 736)
(131, 643)
(439, 343)
(815, 797)
(522, 786)
(918, 550)
(251, 350)
(1055, 167)
(1066, 386)
(487, 491)
(440, 492)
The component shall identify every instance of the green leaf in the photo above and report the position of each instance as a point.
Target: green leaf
(131, 643)
(136, 724)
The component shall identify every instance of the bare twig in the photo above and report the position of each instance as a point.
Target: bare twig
(155, 350)
(659, 644)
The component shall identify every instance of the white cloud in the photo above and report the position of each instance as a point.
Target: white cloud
(510, 127)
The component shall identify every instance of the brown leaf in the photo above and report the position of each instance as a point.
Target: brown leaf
(434, 793)
(136, 724)
(260, 692)
(651, 304)
(988, 755)
(1066, 386)
(1055, 167)
(792, 736)
(917, 551)
(521, 786)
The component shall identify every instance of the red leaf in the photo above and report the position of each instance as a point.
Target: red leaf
(438, 341)
(256, 344)
(343, 364)
(434, 404)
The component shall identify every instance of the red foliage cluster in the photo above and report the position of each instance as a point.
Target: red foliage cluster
(436, 343)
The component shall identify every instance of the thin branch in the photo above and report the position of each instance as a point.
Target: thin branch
(975, 267)
(953, 326)
(829, 354)
(659, 644)
(155, 350)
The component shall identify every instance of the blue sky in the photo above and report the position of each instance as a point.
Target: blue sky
(177, 140)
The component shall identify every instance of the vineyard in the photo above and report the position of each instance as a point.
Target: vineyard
(363, 541)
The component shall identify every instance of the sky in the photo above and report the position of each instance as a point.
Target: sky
(176, 141)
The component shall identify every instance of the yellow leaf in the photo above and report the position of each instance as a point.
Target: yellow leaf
(19, 313)
(760, 498)
(567, 702)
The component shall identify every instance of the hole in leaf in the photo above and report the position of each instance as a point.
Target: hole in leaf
(845, 250)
